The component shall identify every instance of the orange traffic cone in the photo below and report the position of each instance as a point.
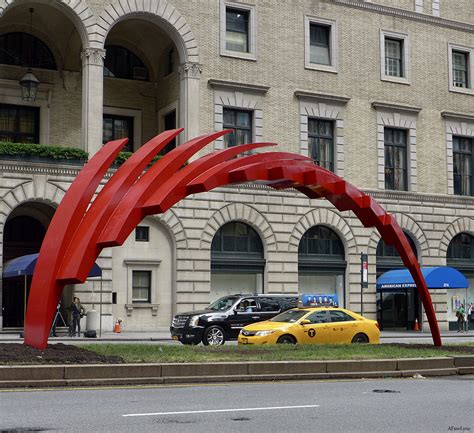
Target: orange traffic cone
(416, 326)
(117, 327)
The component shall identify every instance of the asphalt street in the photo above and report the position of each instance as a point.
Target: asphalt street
(382, 406)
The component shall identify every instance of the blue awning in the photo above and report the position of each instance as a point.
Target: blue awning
(25, 265)
(441, 277)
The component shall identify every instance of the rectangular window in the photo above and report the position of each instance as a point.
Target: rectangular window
(115, 127)
(394, 57)
(460, 69)
(463, 162)
(241, 122)
(319, 44)
(237, 30)
(141, 286)
(169, 119)
(395, 141)
(142, 234)
(321, 142)
(19, 124)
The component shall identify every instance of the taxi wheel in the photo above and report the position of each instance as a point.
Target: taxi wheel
(360, 338)
(286, 339)
(214, 336)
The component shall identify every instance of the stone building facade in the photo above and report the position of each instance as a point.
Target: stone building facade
(380, 69)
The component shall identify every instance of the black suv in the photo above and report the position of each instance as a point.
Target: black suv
(224, 318)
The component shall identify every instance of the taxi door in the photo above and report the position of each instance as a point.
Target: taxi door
(316, 332)
(343, 327)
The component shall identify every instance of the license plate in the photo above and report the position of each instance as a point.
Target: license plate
(244, 340)
(174, 337)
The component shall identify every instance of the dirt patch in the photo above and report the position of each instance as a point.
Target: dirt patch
(14, 353)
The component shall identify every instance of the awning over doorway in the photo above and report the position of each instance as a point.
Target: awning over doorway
(25, 265)
(441, 277)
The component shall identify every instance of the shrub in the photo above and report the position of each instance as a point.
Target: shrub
(42, 150)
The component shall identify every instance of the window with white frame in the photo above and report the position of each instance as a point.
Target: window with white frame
(396, 146)
(238, 106)
(320, 44)
(141, 286)
(240, 121)
(321, 142)
(322, 129)
(238, 30)
(395, 57)
(461, 64)
(395, 159)
(463, 165)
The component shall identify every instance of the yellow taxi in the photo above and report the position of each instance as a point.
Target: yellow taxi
(317, 325)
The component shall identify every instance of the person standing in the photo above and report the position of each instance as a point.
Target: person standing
(460, 315)
(469, 314)
(77, 312)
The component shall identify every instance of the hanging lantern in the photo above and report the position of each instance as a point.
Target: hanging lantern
(29, 85)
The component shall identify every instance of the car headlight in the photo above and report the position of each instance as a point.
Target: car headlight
(193, 321)
(263, 333)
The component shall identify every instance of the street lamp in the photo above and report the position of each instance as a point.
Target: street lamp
(29, 83)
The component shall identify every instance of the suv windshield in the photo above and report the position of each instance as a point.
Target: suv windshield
(289, 316)
(223, 303)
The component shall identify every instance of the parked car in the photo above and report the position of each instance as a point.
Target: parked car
(224, 318)
(321, 325)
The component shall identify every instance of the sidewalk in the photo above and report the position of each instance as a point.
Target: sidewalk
(164, 335)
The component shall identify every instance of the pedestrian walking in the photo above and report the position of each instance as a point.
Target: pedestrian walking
(460, 315)
(77, 313)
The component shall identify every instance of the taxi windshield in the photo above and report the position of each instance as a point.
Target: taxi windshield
(289, 316)
(223, 303)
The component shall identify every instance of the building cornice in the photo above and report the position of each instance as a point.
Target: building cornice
(400, 196)
(395, 107)
(458, 116)
(236, 85)
(323, 97)
(414, 16)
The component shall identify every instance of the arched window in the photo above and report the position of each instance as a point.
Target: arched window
(237, 261)
(23, 49)
(384, 250)
(461, 248)
(236, 238)
(122, 63)
(322, 241)
(321, 264)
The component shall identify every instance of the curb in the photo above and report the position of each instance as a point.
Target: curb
(185, 373)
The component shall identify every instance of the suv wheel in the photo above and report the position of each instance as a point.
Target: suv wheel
(213, 336)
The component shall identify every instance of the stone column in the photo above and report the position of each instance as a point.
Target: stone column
(92, 98)
(189, 109)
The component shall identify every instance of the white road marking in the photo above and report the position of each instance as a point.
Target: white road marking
(222, 410)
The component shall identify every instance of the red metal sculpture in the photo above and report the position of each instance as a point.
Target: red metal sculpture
(77, 234)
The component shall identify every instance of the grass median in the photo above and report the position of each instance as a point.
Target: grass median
(136, 353)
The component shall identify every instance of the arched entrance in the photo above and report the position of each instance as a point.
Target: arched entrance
(460, 256)
(396, 308)
(237, 260)
(23, 234)
(321, 263)
(141, 82)
(46, 39)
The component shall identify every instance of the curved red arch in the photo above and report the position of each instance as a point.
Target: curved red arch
(76, 237)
